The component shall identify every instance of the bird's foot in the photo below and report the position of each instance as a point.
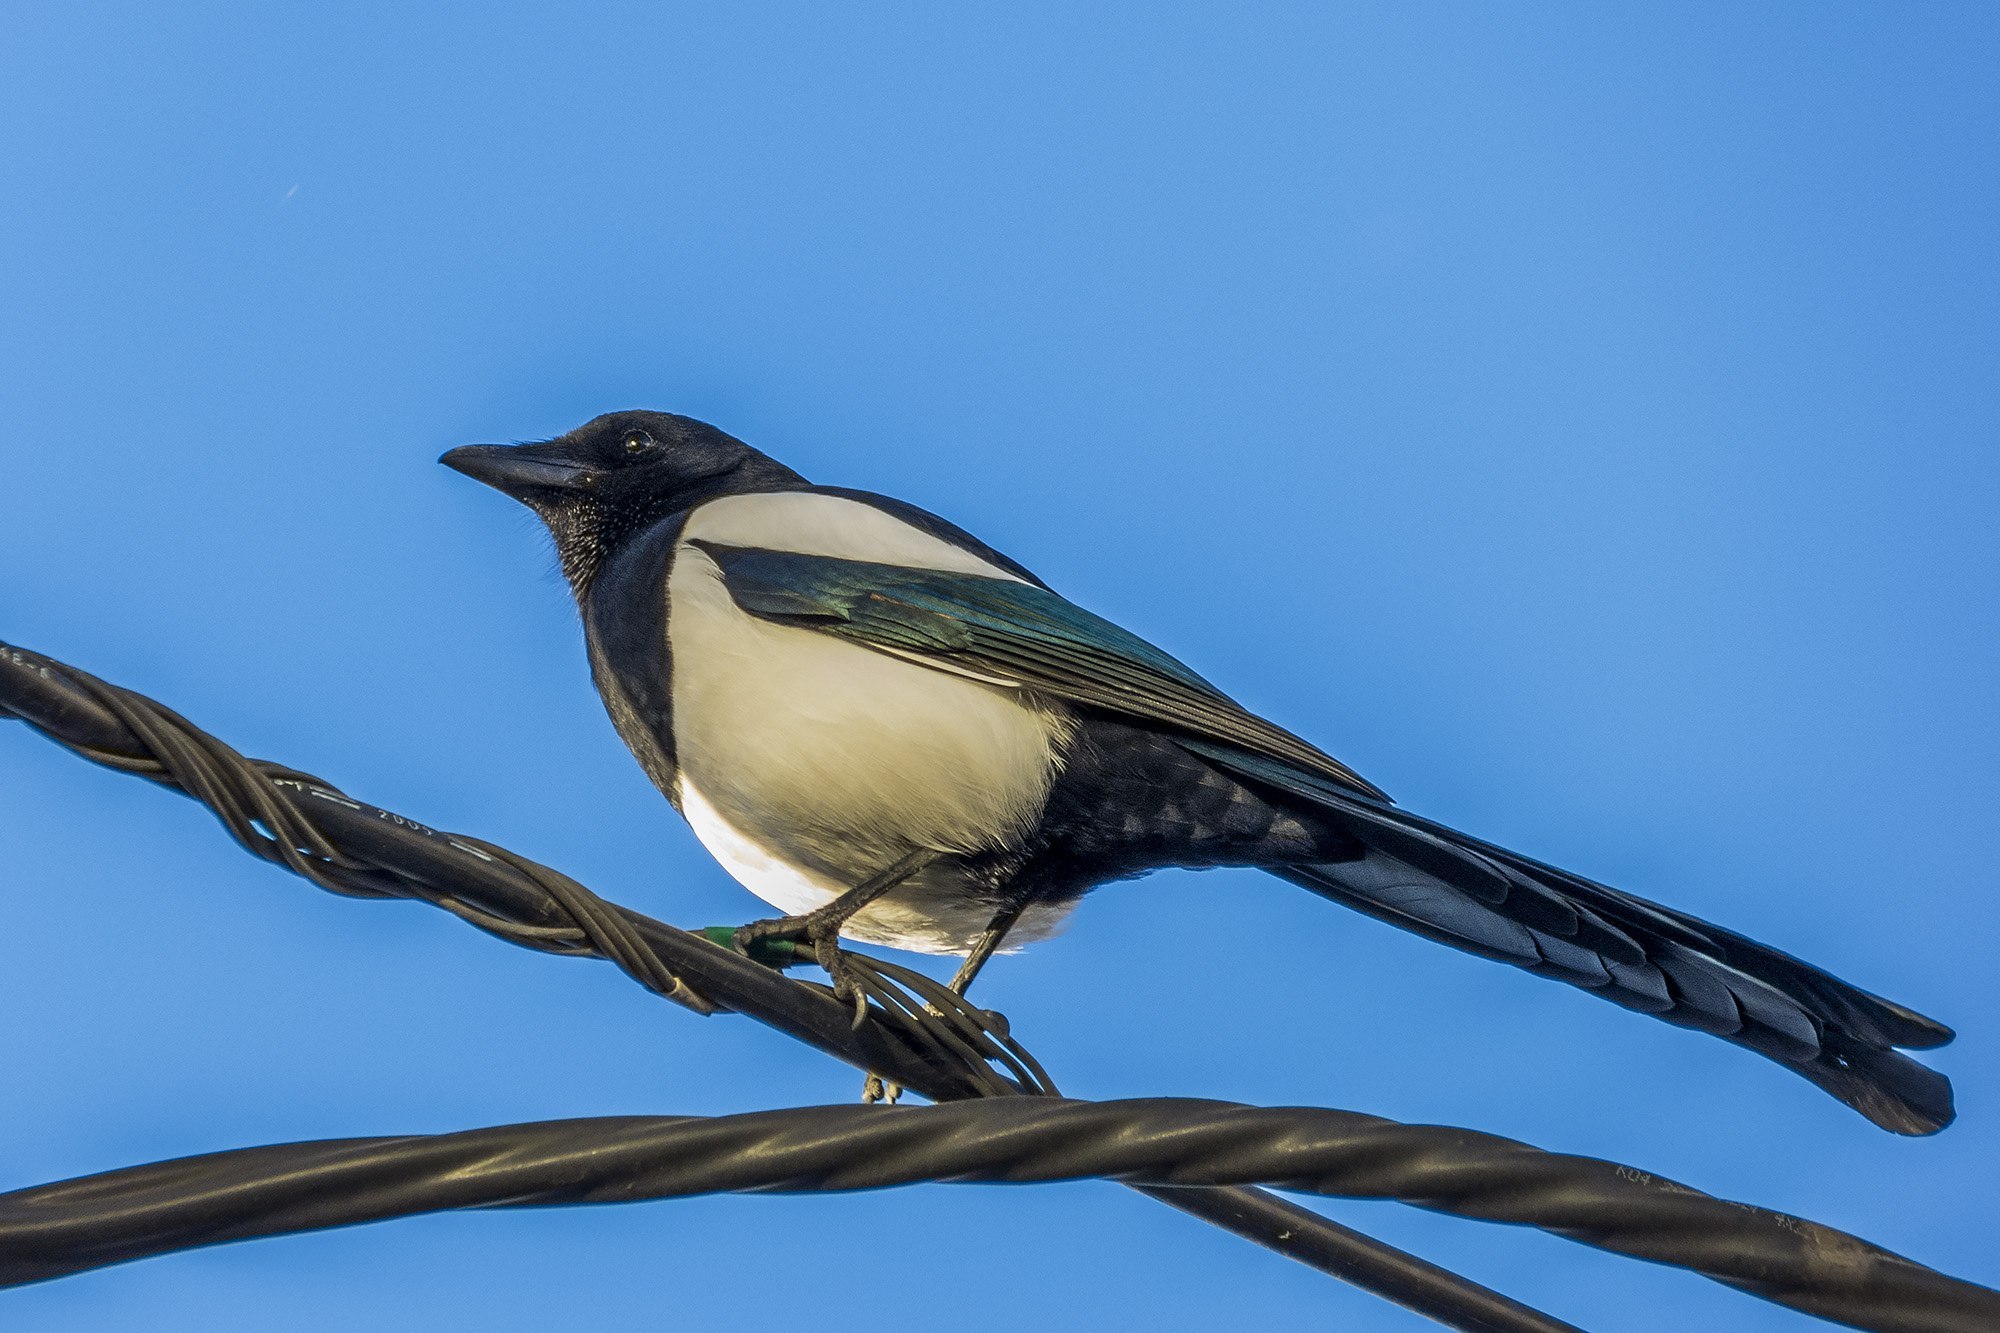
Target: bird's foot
(772, 951)
(815, 936)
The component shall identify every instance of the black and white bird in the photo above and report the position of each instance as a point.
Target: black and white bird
(894, 733)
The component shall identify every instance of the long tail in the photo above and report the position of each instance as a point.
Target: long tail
(1486, 900)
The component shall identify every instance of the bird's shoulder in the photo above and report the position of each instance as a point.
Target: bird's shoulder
(923, 521)
(932, 525)
(846, 524)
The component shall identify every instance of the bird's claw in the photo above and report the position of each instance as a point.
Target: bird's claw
(841, 972)
(822, 940)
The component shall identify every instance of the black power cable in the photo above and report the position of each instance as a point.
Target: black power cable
(352, 848)
(53, 1230)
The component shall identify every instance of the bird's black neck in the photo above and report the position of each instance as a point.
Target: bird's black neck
(624, 608)
(588, 536)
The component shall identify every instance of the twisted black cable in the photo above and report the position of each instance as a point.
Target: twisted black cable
(63, 1228)
(343, 845)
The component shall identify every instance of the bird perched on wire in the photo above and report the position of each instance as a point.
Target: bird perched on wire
(894, 733)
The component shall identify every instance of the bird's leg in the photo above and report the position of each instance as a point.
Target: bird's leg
(878, 1089)
(982, 949)
(821, 926)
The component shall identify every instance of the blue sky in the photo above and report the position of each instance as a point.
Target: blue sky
(1579, 418)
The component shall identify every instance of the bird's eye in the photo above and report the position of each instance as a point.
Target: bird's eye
(638, 442)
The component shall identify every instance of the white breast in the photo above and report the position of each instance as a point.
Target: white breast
(807, 763)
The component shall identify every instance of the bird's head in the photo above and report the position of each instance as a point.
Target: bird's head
(611, 477)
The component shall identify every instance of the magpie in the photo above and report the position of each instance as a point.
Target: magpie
(892, 732)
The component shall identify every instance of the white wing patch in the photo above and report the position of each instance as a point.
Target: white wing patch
(811, 524)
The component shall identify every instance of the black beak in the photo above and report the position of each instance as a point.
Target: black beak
(518, 469)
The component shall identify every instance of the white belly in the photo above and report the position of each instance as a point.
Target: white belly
(807, 763)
